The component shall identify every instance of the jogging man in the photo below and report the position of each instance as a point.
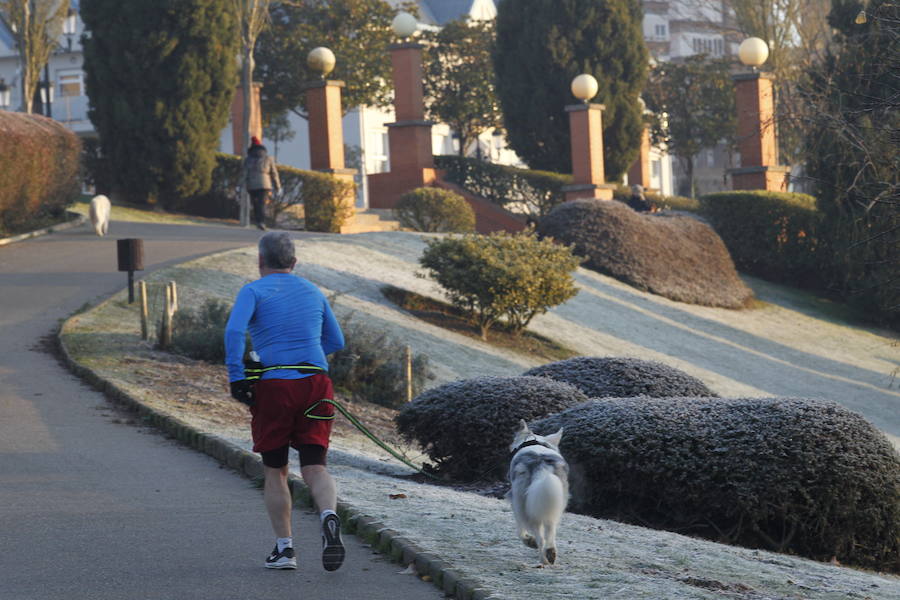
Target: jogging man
(293, 328)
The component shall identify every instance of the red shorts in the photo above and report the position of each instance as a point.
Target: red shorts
(278, 418)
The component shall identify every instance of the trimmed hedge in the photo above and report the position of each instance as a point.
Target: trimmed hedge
(774, 235)
(435, 210)
(615, 377)
(39, 169)
(788, 474)
(322, 195)
(674, 256)
(466, 426)
(522, 191)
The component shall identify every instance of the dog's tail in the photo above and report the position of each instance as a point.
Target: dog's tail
(547, 496)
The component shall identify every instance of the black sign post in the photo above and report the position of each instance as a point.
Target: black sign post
(131, 259)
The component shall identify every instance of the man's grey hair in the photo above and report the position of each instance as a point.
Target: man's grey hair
(277, 250)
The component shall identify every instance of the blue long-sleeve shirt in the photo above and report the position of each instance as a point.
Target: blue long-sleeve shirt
(290, 322)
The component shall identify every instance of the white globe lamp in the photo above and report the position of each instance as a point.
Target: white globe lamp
(753, 52)
(321, 60)
(404, 24)
(584, 87)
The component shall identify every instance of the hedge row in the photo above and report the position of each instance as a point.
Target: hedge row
(39, 169)
(523, 191)
(774, 235)
(793, 475)
(324, 197)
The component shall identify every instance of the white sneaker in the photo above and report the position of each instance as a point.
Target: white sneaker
(332, 547)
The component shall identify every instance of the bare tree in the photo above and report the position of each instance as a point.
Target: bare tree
(253, 17)
(36, 26)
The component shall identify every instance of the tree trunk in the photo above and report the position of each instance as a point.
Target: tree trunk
(689, 167)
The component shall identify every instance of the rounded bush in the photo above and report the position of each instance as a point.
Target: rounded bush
(788, 474)
(435, 210)
(673, 256)
(39, 169)
(466, 426)
(616, 377)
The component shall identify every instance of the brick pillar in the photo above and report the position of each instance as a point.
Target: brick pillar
(588, 176)
(237, 118)
(758, 147)
(409, 137)
(639, 172)
(326, 132)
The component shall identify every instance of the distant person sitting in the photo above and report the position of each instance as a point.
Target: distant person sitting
(259, 176)
(637, 201)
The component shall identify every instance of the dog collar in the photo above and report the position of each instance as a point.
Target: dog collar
(529, 443)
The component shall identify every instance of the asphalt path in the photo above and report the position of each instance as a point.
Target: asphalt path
(92, 507)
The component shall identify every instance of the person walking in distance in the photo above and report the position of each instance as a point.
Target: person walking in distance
(292, 328)
(260, 175)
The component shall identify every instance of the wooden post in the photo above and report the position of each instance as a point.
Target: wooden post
(145, 315)
(407, 361)
(165, 338)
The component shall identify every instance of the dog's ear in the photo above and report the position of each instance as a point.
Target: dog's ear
(555, 438)
(523, 426)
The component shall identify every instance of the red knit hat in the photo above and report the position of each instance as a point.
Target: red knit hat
(254, 141)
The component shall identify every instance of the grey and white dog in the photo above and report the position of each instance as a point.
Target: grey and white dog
(539, 489)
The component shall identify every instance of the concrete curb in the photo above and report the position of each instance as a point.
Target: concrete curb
(78, 220)
(383, 540)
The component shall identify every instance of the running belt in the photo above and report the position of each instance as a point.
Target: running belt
(254, 370)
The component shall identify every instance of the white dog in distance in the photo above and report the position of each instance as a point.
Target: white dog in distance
(100, 214)
(539, 489)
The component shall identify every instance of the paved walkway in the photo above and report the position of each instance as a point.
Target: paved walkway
(94, 508)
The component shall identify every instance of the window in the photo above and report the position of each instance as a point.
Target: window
(659, 31)
(655, 169)
(70, 83)
(377, 151)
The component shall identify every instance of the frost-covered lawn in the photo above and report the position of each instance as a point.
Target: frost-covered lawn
(784, 348)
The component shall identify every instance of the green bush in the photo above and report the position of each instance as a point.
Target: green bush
(501, 275)
(466, 426)
(435, 210)
(791, 475)
(200, 334)
(371, 366)
(774, 235)
(523, 191)
(323, 196)
(39, 169)
(674, 256)
(617, 377)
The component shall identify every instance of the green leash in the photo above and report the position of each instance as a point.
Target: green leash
(365, 431)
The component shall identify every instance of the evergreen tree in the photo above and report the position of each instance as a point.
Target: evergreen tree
(160, 76)
(852, 152)
(541, 46)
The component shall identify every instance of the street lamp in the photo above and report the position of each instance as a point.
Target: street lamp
(4, 94)
(753, 52)
(404, 24)
(321, 60)
(585, 87)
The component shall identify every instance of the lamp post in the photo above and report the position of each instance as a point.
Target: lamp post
(756, 140)
(409, 137)
(4, 95)
(586, 132)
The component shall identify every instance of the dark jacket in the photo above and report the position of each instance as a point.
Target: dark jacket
(259, 170)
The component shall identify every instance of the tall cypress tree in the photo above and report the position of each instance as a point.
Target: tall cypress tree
(160, 76)
(541, 46)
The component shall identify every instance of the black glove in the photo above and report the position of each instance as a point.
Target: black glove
(243, 391)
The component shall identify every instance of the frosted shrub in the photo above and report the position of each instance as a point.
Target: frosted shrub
(616, 377)
(788, 474)
(466, 426)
